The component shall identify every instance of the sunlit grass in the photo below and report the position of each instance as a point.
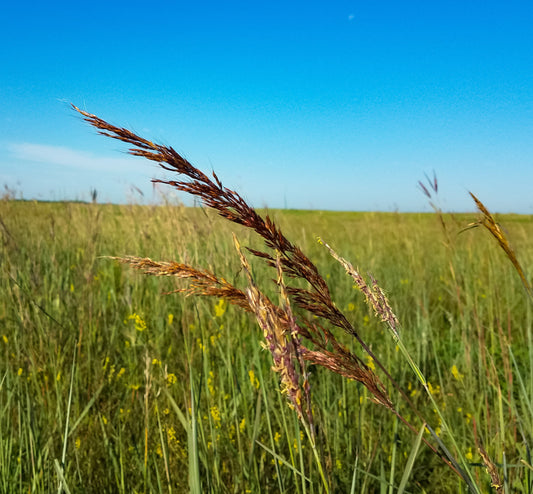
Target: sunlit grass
(141, 359)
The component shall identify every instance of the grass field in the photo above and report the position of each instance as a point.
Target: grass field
(107, 385)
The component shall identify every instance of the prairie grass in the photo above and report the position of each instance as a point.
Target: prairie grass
(174, 394)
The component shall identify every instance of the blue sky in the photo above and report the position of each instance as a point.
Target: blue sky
(339, 105)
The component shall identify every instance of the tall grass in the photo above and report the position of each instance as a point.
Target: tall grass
(170, 393)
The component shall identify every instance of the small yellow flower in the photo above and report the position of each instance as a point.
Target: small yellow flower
(434, 390)
(20, 371)
(242, 425)
(71, 287)
(58, 377)
(220, 308)
(171, 434)
(121, 372)
(277, 437)
(455, 373)
(156, 362)
(77, 443)
(210, 385)
(171, 379)
(170, 319)
(4, 337)
(351, 307)
(140, 324)
(469, 456)
(215, 413)
(253, 380)
(370, 362)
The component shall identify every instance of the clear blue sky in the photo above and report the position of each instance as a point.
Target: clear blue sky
(324, 105)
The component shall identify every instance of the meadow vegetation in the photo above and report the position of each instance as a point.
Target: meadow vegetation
(110, 385)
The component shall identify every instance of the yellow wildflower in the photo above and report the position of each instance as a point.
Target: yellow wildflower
(171, 434)
(220, 308)
(140, 324)
(253, 380)
(171, 379)
(455, 373)
(210, 385)
(215, 413)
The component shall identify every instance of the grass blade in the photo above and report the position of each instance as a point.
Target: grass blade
(411, 460)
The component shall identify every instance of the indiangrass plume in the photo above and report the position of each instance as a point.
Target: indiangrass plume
(293, 338)
(374, 295)
(488, 221)
(281, 340)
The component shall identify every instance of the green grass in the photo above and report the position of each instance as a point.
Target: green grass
(171, 394)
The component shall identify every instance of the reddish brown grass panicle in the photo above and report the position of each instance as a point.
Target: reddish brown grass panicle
(201, 282)
(282, 340)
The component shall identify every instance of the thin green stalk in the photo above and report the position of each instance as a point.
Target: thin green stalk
(393, 459)
(62, 484)
(469, 479)
(317, 456)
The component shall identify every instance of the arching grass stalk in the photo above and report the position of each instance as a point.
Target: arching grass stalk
(487, 220)
(294, 340)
